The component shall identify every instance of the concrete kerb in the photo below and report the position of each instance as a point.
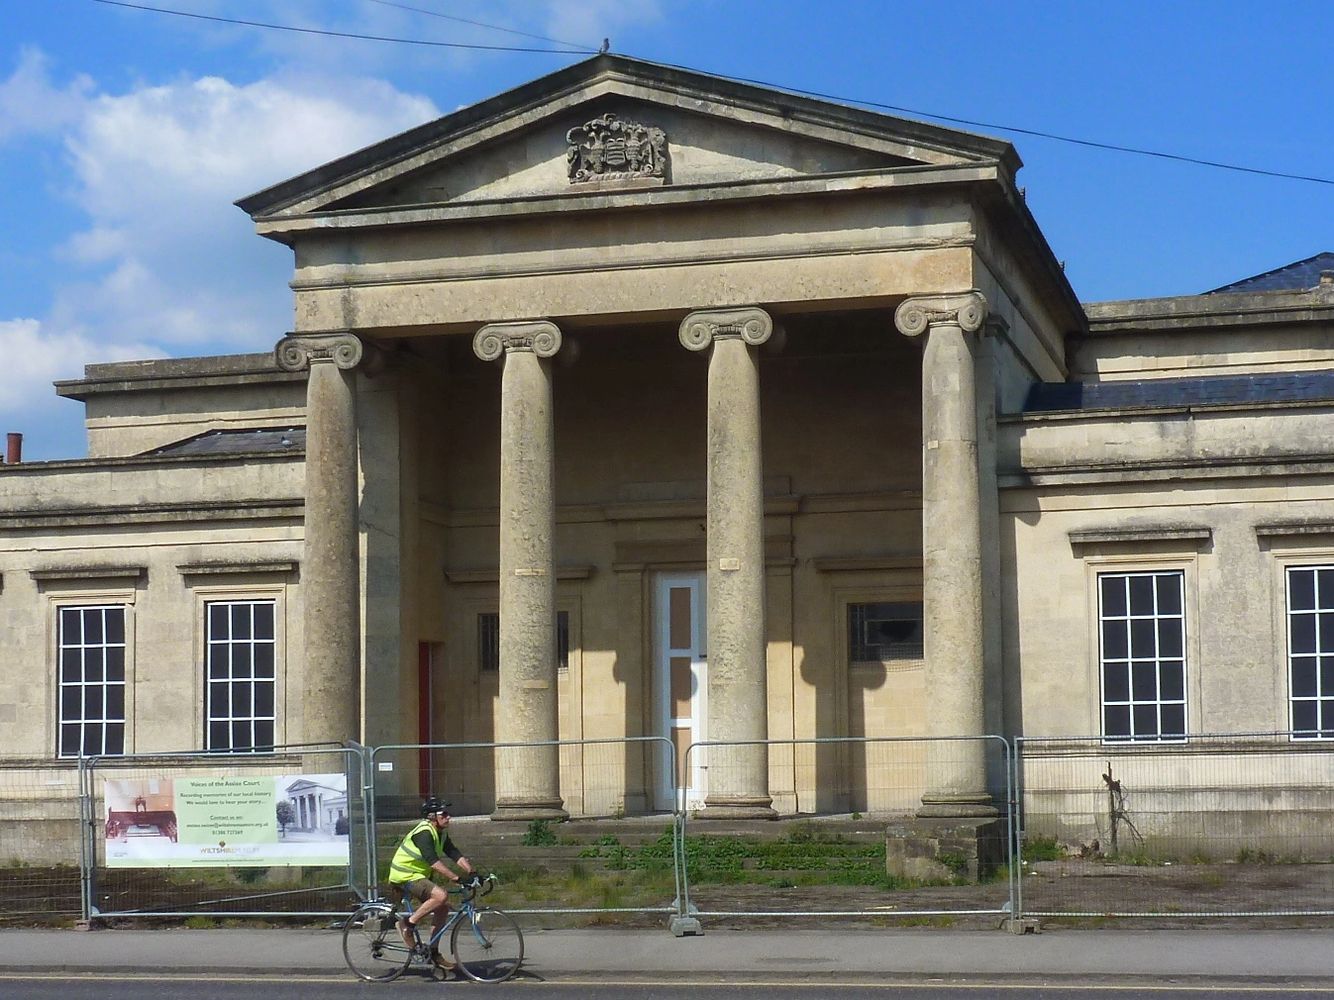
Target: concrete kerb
(1289, 956)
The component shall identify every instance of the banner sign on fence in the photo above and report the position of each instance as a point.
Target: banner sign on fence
(294, 819)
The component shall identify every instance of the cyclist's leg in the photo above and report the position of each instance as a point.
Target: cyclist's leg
(427, 896)
(439, 918)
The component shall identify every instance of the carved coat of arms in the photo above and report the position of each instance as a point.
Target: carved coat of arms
(607, 148)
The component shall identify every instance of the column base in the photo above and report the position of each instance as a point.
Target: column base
(737, 807)
(527, 810)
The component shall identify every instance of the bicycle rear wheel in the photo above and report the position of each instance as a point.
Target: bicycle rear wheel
(489, 947)
(372, 945)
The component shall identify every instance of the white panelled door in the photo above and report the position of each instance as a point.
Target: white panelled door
(680, 671)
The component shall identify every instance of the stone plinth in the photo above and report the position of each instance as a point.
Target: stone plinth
(933, 850)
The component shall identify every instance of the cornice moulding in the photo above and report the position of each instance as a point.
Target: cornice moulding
(113, 516)
(275, 566)
(1294, 529)
(866, 564)
(58, 575)
(492, 575)
(1198, 535)
(604, 199)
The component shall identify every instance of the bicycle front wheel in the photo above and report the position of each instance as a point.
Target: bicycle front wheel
(372, 945)
(488, 947)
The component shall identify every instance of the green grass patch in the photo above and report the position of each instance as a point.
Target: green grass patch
(1042, 849)
(803, 857)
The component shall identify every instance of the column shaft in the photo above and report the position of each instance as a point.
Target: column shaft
(951, 557)
(330, 571)
(738, 776)
(528, 777)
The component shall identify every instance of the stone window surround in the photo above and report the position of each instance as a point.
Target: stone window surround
(87, 595)
(1141, 558)
(1132, 701)
(83, 684)
(486, 668)
(481, 596)
(843, 598)
(223, 592)
(894, 651)
(1325, 607)
(234, 642)
(1291, 543)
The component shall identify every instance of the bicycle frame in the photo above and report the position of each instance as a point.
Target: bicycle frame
(467, 906)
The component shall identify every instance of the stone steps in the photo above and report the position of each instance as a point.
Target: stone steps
(605, 846)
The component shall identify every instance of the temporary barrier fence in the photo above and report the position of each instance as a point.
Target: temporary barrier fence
(39, 838)
(1215, 825)
(279, 832)
(579, 865)
(855, 847)
(1221, 825)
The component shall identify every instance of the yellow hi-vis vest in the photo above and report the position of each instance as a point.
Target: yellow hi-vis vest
(407, 863)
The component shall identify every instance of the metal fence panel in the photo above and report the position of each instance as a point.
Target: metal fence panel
(847, 842)
(581, 866)
(39, 838)
(124, 798)
(1218, 825)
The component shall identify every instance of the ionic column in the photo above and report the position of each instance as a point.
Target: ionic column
(738, 777)
(527, 779)
(330, 567)
(952, 552)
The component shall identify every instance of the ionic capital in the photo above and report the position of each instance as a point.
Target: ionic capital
(540, 337)
(700, 329)
(299, 351)
(966, 310)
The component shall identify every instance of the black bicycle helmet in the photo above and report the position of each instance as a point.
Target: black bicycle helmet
(433, 805)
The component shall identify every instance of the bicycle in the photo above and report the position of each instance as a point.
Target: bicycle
(486, 943)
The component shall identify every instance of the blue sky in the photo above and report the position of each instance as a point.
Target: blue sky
(126, 135)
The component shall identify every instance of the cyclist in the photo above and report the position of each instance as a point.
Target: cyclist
(422, 853)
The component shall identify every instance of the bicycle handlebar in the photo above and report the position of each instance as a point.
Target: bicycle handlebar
(477, 886)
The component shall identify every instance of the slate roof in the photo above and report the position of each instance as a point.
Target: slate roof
(1298, 275)
(1207, 390)
(250, 441)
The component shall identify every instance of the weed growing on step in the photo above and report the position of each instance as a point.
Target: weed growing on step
(539, 834)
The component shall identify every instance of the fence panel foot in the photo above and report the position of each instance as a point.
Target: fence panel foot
(686, 926)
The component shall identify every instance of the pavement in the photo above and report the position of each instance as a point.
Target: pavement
(1214, 955)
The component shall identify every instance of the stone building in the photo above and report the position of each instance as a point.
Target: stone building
(637, 402)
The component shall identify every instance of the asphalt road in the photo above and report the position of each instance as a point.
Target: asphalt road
(94, 986)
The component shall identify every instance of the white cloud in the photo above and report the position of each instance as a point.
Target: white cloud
(166, 264)
(30, 103)
(156, 170)
(35, 357)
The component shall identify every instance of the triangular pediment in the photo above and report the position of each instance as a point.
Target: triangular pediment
(613, 124)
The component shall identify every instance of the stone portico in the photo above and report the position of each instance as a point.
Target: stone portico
(588, 211)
